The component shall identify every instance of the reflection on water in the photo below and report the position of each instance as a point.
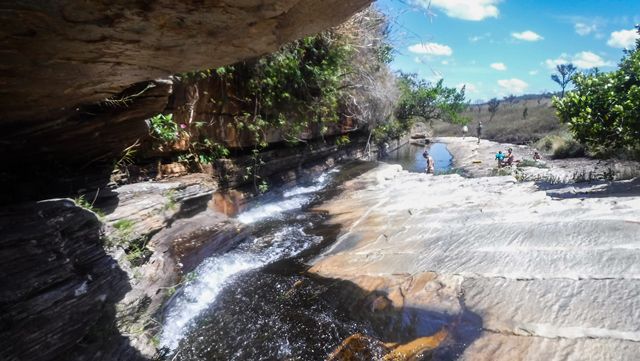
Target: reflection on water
(410, 157)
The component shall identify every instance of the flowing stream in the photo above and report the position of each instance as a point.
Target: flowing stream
(232, 307)
(257, 302)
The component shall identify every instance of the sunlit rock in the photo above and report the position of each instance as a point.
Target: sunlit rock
(539, 272)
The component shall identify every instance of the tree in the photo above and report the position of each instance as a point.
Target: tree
(420, 99)
(511, 99)
(479, 105)
(525, 112)
(493, 105)
(603, 111)
(564, 76)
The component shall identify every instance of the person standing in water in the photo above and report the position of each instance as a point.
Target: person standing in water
(479, 129)
(430, 165)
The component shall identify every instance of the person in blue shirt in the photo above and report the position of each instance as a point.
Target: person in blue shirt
(500, 158)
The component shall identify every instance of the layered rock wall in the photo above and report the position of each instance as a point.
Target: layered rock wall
(59, 54)
(77, 85)
(57, 280)
(77, 77)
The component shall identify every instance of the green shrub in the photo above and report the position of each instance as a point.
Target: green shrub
(603, 111)
(500, 172)
(531, 163)
(421, 101)
(163, 128)
(560, 147)
(569, 149)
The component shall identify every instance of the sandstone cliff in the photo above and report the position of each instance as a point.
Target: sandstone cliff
(78, 77)
(78, 81)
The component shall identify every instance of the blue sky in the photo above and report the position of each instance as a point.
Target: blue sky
(502, 47)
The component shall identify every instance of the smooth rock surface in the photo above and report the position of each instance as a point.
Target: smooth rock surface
(552, 274)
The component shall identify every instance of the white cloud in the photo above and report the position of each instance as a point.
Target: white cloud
(582, 60)
(533, 72)
(465, 9)
(624, 39)
(513, 86)
(588, 60)
(499, 66)
(431, 49)
(583, 29)
(552, 63)
(476, 38)
(527, 36)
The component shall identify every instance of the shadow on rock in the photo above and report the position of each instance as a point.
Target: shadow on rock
(59, 287)
(283, 312)
(598, 189)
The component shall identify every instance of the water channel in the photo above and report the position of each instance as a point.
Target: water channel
(257, 302)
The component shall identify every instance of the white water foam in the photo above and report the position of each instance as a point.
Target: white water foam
(217, 272)
(294, 198)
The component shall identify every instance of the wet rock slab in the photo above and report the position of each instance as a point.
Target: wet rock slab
(552, 277)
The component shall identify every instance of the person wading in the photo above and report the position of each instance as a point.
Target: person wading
(430, 166)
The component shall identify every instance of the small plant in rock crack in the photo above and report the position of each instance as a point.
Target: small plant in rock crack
(163, 128)
(137, 251)
(343, 140)
(123, 230)
(82, 202)
(127, 158)
(172, 202)
(135, 247)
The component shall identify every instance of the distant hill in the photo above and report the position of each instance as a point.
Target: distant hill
(509, 125)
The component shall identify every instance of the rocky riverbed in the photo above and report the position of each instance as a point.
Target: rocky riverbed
(511, 270)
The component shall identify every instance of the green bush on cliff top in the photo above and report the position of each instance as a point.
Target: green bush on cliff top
(603, 111)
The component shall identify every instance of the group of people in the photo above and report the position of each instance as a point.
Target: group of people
(505, 159)
(508, 158)
(465, 129)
